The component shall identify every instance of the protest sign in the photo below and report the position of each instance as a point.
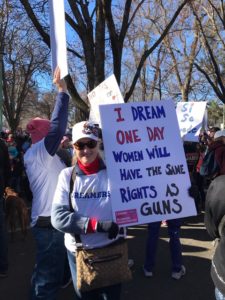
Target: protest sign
(106, 92)
(146, 163)
(190, 117)
(58, 36)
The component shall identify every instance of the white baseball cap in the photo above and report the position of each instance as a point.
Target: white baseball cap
(219, 133)
(85, 129)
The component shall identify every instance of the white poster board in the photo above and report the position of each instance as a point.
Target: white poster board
(190, 117)
(146, 164)
(107, 92)
(58, 36)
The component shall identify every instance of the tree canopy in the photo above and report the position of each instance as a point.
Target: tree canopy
(157, 49)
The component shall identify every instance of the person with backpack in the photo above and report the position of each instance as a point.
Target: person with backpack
(218, 150)
(213, 162)
(215, 213)
(219, 139)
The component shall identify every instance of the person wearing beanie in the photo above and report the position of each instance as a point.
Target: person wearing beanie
(218, 146)
(91, 217)
(42, 167)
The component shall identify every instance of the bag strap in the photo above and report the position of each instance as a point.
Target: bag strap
(72, 180)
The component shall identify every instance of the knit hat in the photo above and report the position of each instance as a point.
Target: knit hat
(85, 129)
(38, 128)
(219, 133)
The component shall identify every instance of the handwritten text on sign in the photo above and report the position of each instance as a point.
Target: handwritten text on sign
(190, 117)
(145, 162)
(107, 92)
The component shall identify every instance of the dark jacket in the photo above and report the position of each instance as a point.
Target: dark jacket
(4, 167)
(215, 225)
(219, 149)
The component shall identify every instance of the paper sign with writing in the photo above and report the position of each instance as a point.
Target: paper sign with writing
(58, 36)
(146, 164)
(190, 117)
(107, 92)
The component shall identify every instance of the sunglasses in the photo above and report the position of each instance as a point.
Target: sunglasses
(90, 144)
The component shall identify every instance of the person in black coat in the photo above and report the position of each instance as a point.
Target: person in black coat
(4, 179)
(215, 225)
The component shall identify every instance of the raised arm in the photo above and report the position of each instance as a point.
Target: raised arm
(59, 116)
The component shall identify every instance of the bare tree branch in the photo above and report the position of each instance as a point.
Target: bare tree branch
(149, 51)
(215, 88)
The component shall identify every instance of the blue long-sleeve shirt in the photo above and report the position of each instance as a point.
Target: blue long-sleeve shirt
(58, 123)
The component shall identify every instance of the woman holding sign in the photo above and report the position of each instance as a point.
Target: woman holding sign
(82, 208)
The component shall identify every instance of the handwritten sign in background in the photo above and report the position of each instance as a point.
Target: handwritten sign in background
(190, 117)
(106, 92)
(145, 162)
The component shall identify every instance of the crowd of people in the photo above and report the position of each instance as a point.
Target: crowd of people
(38, 164)
(17, 144)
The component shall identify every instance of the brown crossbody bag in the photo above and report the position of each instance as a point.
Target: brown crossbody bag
(100, 267)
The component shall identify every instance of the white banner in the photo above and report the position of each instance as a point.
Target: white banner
(58, 36)
(146, 164)
(107, 92)
(190, 117)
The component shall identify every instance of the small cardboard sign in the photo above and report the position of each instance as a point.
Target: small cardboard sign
(107, 92)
